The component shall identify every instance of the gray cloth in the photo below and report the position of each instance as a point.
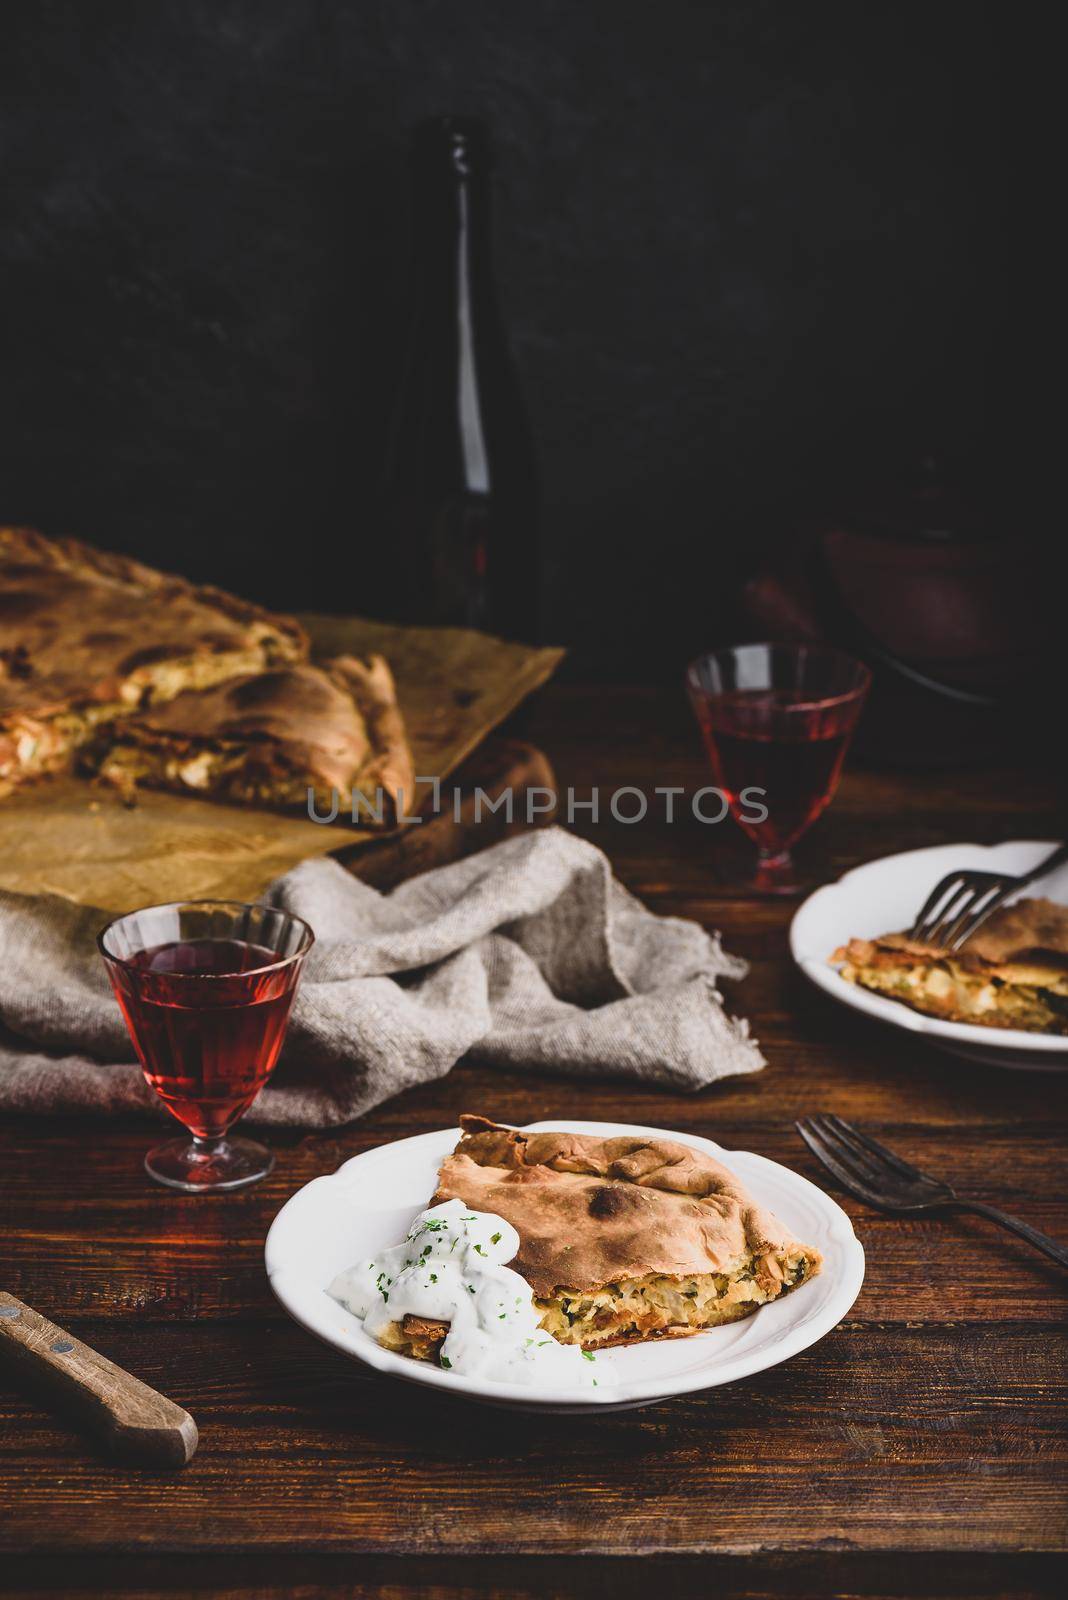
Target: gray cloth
(527, 956)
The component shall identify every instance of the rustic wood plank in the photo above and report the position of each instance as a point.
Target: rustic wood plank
(105, 1243)
(935, 1439)
(932, 1576)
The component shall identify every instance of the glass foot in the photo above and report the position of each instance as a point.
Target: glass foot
(208, 1166)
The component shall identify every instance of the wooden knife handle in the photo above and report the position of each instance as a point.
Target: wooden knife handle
(132, 1418)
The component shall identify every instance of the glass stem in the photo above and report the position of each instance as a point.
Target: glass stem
(209, 1147)
(774, 873)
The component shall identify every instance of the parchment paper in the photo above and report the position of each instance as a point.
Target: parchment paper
(74, 838)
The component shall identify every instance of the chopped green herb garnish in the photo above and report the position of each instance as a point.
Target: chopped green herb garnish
(433, 1277)
(502, 1316)
(587, 1356)
(446, 1363)
(480, 1250)
(495, 1238)
(469, 1287)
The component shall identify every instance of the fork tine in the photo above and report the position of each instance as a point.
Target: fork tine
(976, 910)
(959, 935)
(958, 905)
(941, 889)
(866, 1165)
(817, 1144)
(889, 1159)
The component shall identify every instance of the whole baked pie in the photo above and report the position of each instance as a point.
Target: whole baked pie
(1012, 972)
(621, 1239)
(266, 739)
(86, 637)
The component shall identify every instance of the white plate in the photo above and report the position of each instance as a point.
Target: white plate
(885, 895)
(370, 1202)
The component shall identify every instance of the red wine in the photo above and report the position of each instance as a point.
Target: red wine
(460, 499)
(796, 759)
(207, 1018)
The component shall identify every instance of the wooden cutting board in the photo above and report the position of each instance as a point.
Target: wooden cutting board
(462, 827)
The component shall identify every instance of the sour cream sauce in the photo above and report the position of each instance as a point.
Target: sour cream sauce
(452, 1268)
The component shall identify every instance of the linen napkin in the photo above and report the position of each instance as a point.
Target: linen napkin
(529, 956)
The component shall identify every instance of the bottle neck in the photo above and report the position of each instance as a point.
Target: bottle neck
(455, 289)
(452, 231)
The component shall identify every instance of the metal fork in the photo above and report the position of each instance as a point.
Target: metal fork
(963, 900)
(881, 1179)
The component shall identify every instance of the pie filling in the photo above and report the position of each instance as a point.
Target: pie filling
(638, 1308)
(946, 989)
(235, 772)
(654, 1306)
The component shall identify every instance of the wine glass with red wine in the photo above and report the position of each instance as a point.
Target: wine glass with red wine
(777, 718)
(206, 988)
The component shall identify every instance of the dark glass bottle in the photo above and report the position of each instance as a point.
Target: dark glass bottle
(460, 505)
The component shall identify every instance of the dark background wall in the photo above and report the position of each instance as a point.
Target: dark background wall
(748, 253)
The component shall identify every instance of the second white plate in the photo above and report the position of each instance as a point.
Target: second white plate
(885, 895)
(370, 1202)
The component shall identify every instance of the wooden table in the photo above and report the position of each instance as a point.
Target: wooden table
(919, 1449)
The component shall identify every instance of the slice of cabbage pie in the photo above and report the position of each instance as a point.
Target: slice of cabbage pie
(622, 1239)
(1011, 973)
(267, 739)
